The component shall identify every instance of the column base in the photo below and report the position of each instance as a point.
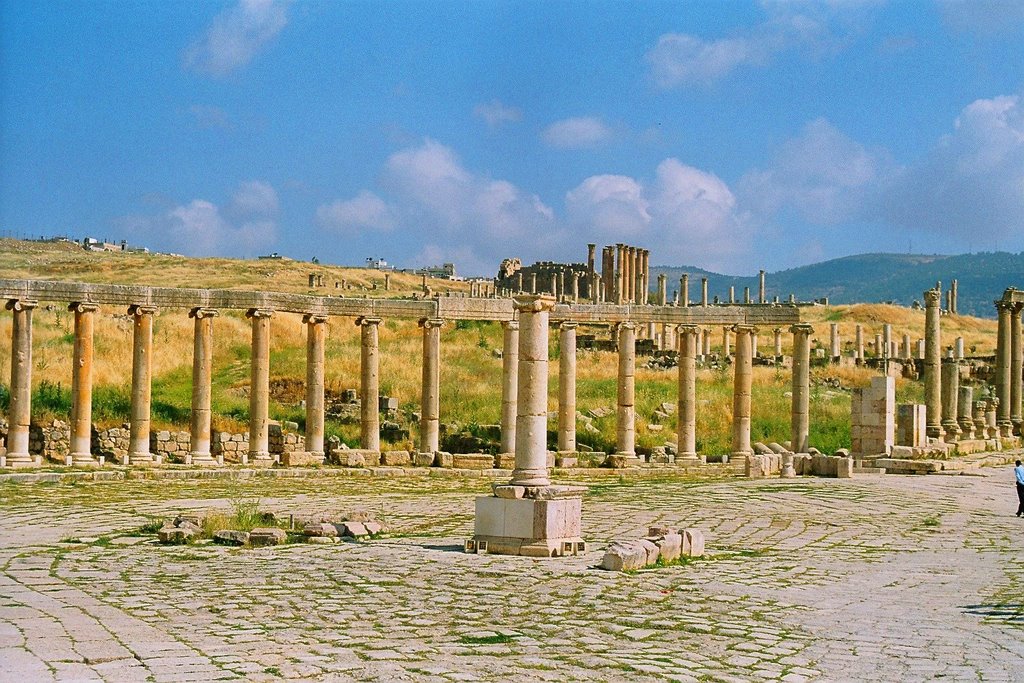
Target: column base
(83, 460)
(139, 459)
(788, 470)
(689, 459)
(19, 460)
(935, 432)
(952, 430)
(1018, 426)
(201, 460)
(530, 477)
(546, 526)
(260, 459)
(1005, 429)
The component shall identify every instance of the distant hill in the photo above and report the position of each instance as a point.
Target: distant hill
(874, 278)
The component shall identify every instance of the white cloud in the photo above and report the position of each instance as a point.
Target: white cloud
(495, 113)
(254, 198)
(689, 214)
(365, 211)
(576, 133)
(235, 36)
(682, 59)
(971, 185)
(201, 228)
(821, 174)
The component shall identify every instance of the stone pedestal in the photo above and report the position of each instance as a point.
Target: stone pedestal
(529, 515)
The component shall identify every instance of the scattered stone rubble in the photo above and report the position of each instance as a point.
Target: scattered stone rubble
(660, 544)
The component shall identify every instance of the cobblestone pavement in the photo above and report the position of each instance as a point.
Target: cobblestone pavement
(875, 578)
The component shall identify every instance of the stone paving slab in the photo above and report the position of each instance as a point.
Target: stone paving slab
(876, 577)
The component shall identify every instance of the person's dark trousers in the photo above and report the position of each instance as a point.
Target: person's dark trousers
(1020, 497)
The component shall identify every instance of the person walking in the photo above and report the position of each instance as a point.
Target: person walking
(1018, 472)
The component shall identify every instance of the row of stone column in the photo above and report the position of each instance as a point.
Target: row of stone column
(1009, 366)
(202, 369)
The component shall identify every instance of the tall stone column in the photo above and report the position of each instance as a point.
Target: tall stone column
(906, 354)
(684, 290)
(645, 282)
(532, 413)
(620, 273)
(887, 340)
(591, 254)
(742, 384)
(732, 294)
(316, 334)
(950, 397)
(81, 385)
(509, 385)
(834, 348)
(430, 403)
(369, 383)
(1016, 370)
(761, 292)
(687, 432)
(259, 388)
(202, 372)
(625, 432)
(19, 412)
(932, 364)
(859, 342)
(142, 384)
(662, 289)
(801, 387)
(1004, 369)
(704, 291)
(567, 387)
(726, 342)
(778, 341)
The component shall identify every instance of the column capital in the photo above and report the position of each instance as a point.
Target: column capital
(625, 325)
(802, 328)
(932, 298)
(427, 323)
(82, 307)
(139, 310)
(259, 313)
(533, 303)
(510, 324)
(314, 318)
(200, 312)
(365, 320)
(1005, 305)
(741, 328)
(568, 325)
(687, 328)
(1018, 306)
(20, 304)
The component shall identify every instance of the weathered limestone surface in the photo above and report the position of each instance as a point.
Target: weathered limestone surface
(142, 380)
(20, 407)
(932, 361)
(316, 333)
(259, 388)
(81, 385)
(509, 384)
(369, 407)
(800, 422)
(742, 383)
(687, 432)
(873, 418)
(202, 371)
(430, 410)
(625, 430)
(567, 388)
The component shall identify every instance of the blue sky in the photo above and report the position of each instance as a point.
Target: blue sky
(726, 135)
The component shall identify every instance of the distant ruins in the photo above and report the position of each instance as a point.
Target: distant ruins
(624, 277)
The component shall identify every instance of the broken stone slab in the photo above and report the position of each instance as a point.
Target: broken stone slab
(442, 459)
(472, 461)
(423, 459)
(658, 531)
(374, 528)
(176, 535)
(353, 529)
(670, 547)
(191, 518)
(301, 459)
(320, 529)
(231, 537)
(652, 550)
(693, 543)
(264, 536)
(624, 556)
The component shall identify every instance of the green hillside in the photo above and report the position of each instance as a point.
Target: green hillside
(874, 278)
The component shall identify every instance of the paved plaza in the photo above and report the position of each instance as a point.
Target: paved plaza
(874, 578)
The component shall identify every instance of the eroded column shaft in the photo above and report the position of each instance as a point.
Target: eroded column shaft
(1016, 370)
(1004, 366)
(687, 409)
(742, 384)
(932, 364)
(625, 429)
(567, 387)
(19, 413)
(509, 385)
(532, 413)
(81, 384)
(142, 384)
(369, 364)
(800, 421)
(430, 403)
(202, 372)
(259, 386)
(316, 335)
(950, 396)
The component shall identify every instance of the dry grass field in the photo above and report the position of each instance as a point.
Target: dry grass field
(471, 370)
